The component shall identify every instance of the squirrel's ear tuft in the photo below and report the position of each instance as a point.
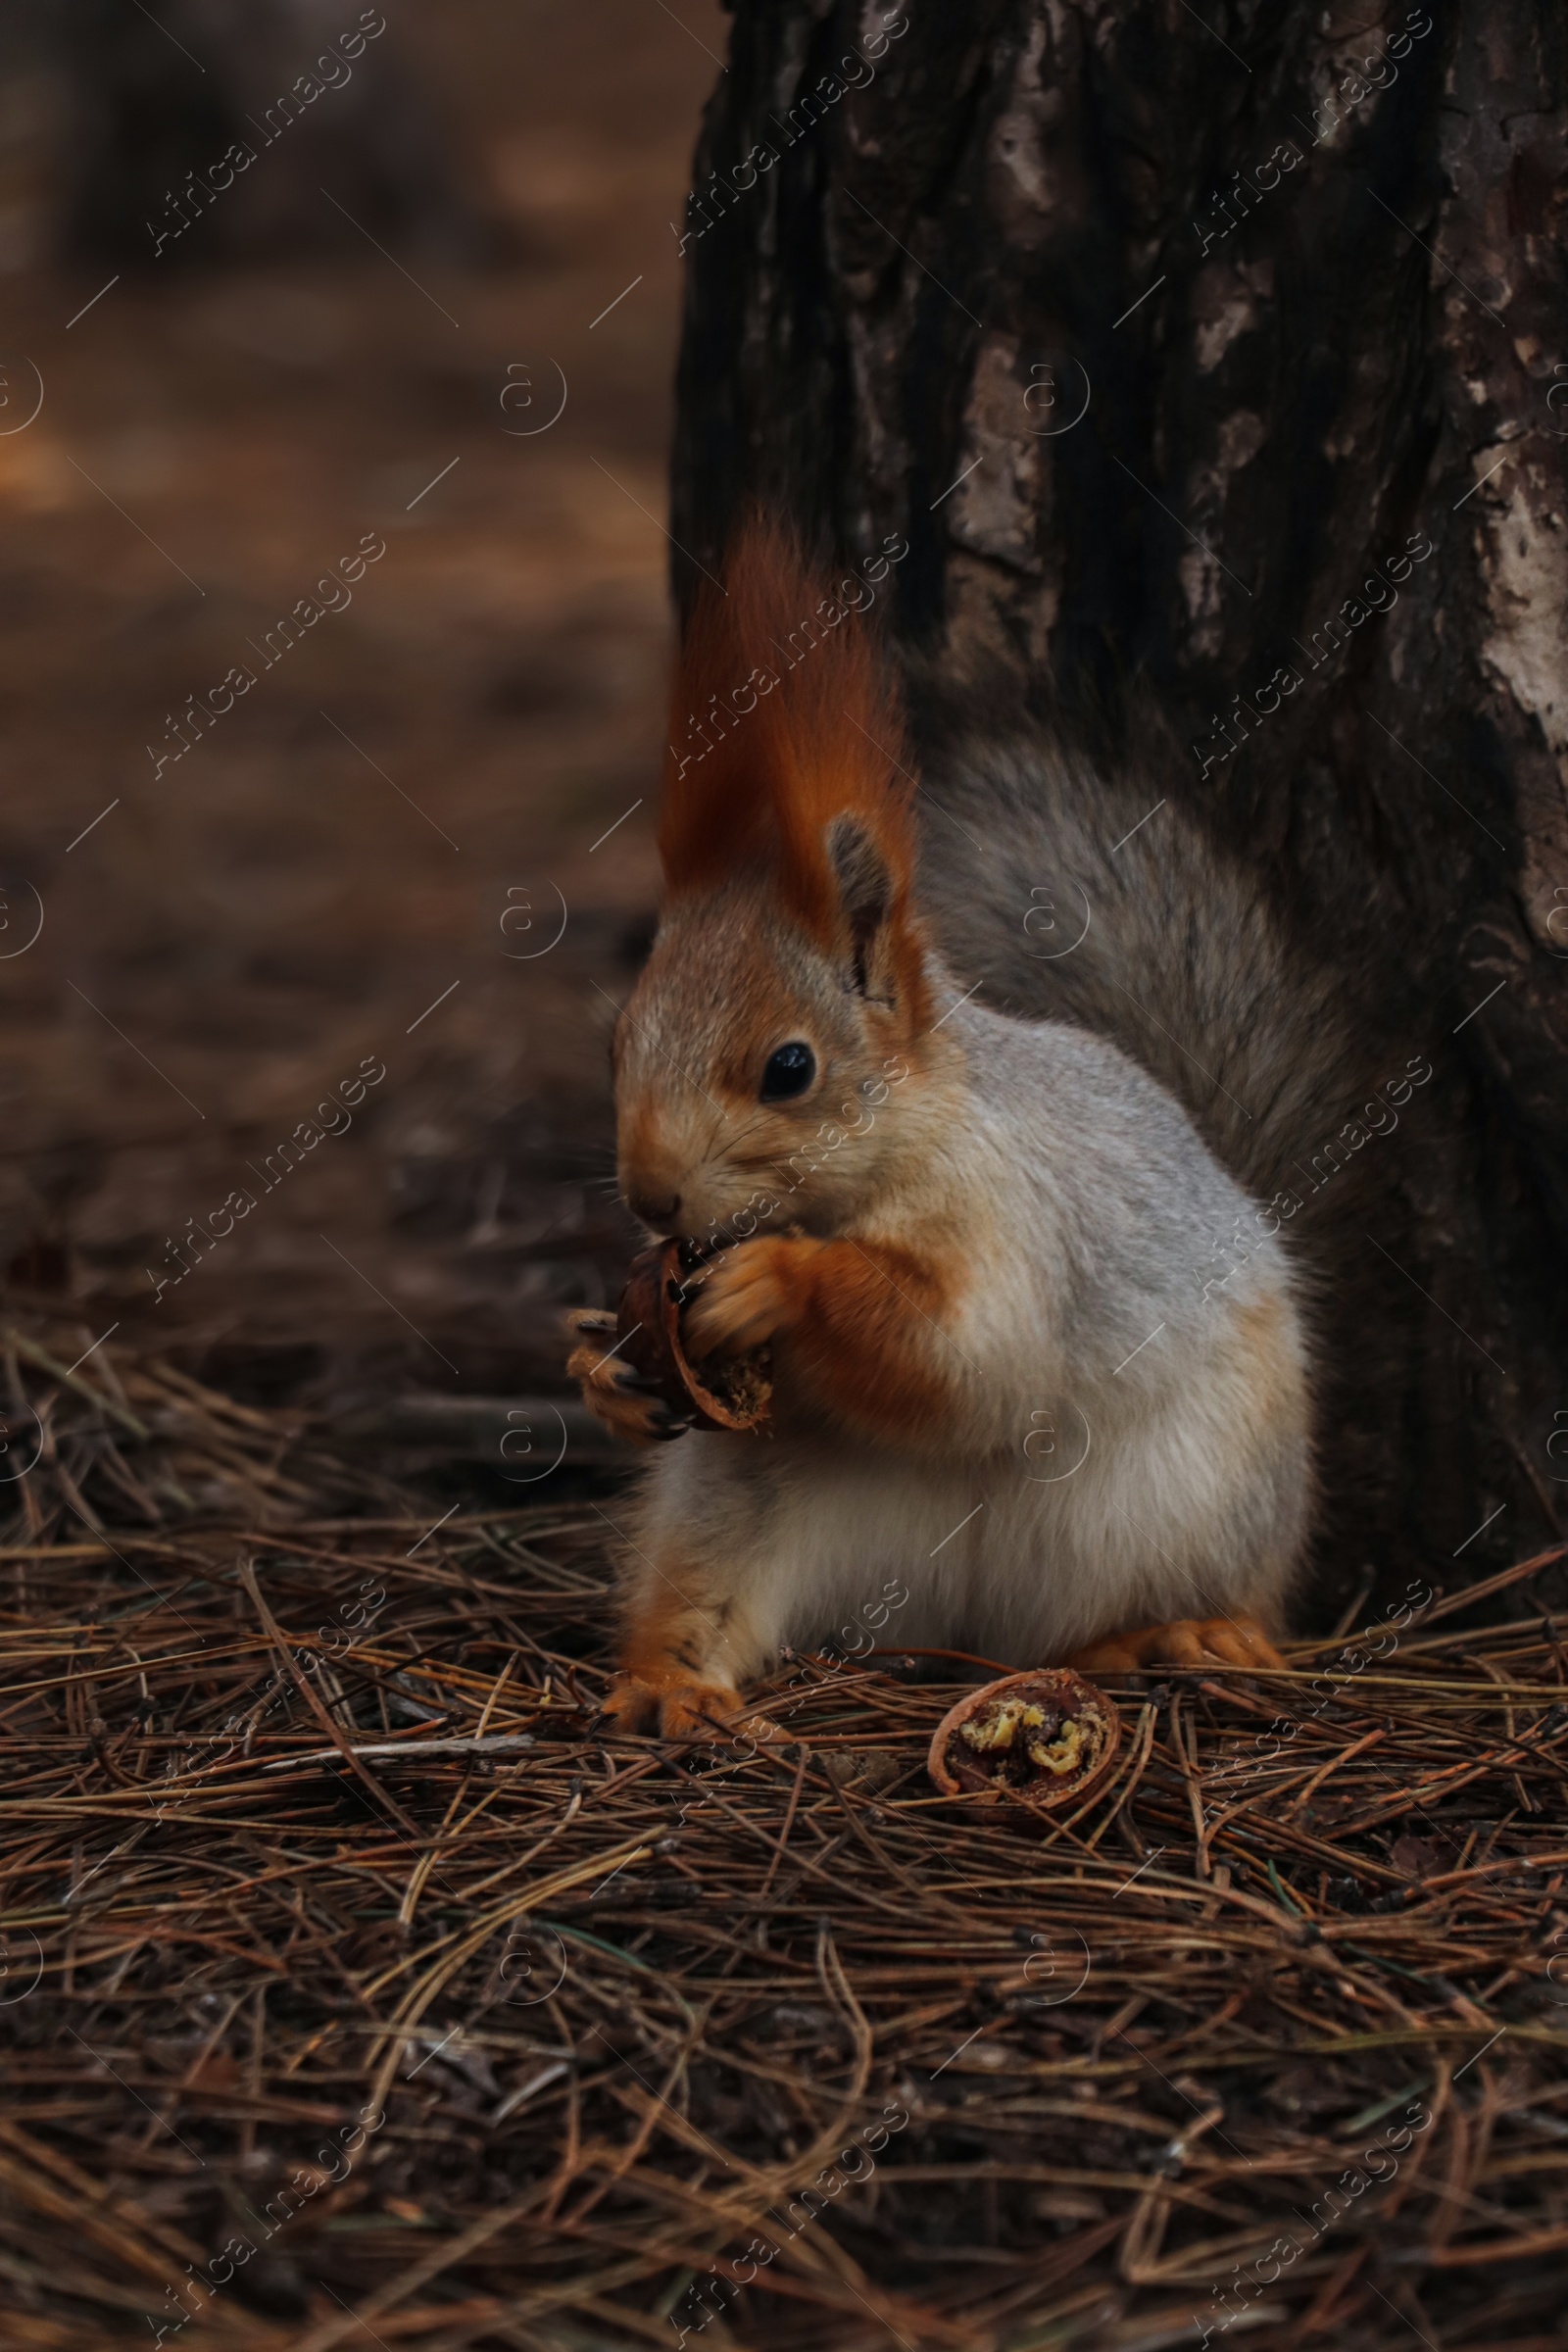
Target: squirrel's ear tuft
(865, 894)
(784, 729)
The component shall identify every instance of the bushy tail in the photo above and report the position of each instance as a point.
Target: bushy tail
(1094, 897)
(1079, 887)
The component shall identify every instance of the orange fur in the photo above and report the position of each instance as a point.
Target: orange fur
(858, 1321)
(661, 1679)
(811, 730)
(662, 1643)
(1238, 1640)
(1263, 1332)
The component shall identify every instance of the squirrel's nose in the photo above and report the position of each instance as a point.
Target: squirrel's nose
(651, 1212)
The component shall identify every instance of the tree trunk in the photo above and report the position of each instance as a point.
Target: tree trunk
(1166, 338)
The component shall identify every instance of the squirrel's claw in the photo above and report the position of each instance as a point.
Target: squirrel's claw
(701, 1712)
(628, 1405)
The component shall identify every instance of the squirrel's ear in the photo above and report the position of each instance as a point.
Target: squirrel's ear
(866, 892)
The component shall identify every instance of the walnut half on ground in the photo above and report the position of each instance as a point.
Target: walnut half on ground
(1044, 1740)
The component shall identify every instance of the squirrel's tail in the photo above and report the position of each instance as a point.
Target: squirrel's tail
(1069, 890)
(1078, 886)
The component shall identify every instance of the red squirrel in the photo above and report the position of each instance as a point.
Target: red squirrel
(1016, 1361)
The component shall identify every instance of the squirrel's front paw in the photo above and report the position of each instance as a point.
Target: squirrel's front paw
(622, 1400)
(746, 1295)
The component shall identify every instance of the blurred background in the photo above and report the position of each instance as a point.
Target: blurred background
(436, 311)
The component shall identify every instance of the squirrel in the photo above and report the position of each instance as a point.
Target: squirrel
(1038, 1346)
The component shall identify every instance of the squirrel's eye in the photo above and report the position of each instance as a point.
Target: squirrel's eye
(789, 1071)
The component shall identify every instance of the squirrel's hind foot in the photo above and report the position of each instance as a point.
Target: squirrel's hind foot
(707, 1712)
(1185, 1642)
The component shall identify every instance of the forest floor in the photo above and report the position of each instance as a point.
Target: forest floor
(357, 1988)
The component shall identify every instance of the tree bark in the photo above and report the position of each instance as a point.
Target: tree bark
(1166, 338)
